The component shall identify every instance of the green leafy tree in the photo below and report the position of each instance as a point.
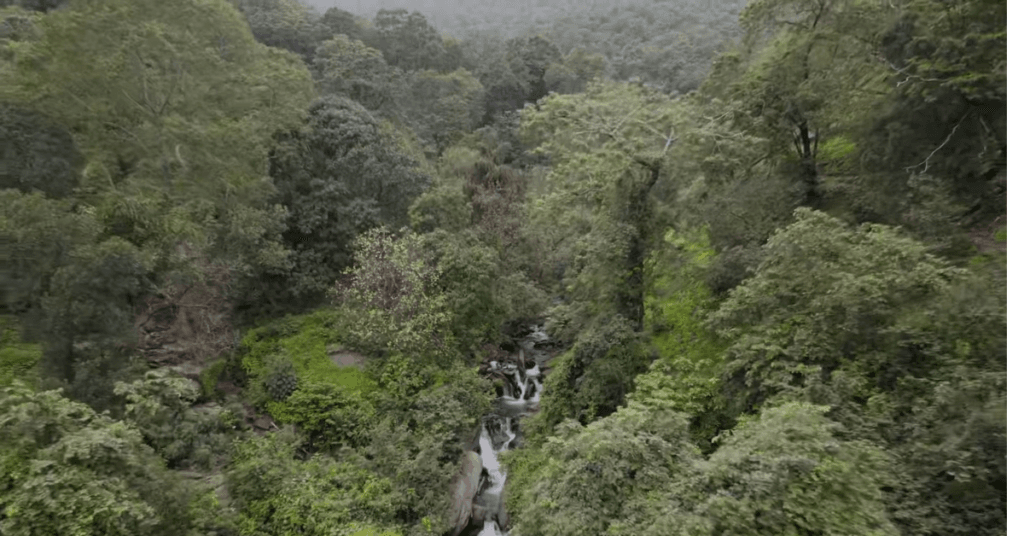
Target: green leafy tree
(338, 176)
(946, 116)
(36, 154)
(287, 24)
(442, 106)
(144, 105)
(39, 236)
(785, 472)
(609, 146)
(348, 67)
(489, 61)
(279, 494)
(594, 479)
(90, 309)
(804, 55)
(391, 297)
(160, 407)
(530, 58)
(407, 40)
(341, 22)
(34, 5)
(869, 322)
(574, 72)
(68, 470)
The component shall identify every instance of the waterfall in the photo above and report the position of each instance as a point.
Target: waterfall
(520, 397)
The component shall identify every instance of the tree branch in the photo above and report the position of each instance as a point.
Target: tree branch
(950, 136)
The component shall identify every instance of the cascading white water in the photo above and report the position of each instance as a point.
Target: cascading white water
(520, 396)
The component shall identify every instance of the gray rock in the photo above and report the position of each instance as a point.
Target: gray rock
(465, 488)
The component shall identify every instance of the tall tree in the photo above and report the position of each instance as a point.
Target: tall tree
(173, 97)
(37, 154)
(68, 470)
(610, 147)
(349, 68)
(407, 40)
(890, 337)
(287, 24)
(339, 176)
(802, 55)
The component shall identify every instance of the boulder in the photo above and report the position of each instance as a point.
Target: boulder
(466, 485)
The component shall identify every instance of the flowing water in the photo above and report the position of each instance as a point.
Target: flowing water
(521, 396)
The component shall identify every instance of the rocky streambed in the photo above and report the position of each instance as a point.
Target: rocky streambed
(479, 500)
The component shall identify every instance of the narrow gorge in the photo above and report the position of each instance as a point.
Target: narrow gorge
(479, 494)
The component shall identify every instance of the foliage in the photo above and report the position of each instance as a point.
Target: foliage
(18, 360)
(37, 154)
(782, 473)
(89, 314)
(685, 376)
(349, 68)
(67, 469)
(610, 148)
(341, 22)
(442, 106)
(160, 406)
(339, 176)
(530, 58)
(869, 322)
(407, 40)
(593, 378)
(574, 72)
(330, 415)
(591, 480)
(152, 86)
(38, 237)
(321, 496)
(391, 300)
(287, 24)
(635, 472)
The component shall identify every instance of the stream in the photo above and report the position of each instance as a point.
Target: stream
(521, 375)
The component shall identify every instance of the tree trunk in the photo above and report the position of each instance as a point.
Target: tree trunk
(630, 297)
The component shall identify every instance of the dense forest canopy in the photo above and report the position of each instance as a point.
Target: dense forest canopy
(271, 268)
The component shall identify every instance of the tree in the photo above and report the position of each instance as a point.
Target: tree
(37, 154)
(786, 472)
(280, 494)
(530, 58)
(595, 479)
(610, 146)
(811, 51)
(349, 68)
(869, 322)
(35, 5)
(159, 406)
(339, 176)
(68, 470)
(287, 24)
(946, 116)
(574, 72)
(442, 106)
(143, 102)
(38, 237)
(89, 312)
(391, 297)
(341, 22)
(407, 40)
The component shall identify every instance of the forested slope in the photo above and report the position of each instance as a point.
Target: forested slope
(255, 258)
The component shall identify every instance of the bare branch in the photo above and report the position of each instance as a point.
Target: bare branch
(903, 72)
(950, 136)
